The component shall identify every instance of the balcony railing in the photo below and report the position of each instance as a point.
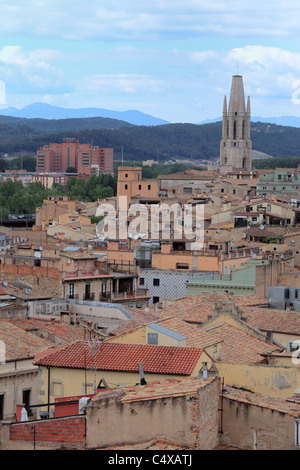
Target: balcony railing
(90, 296)
(123, 295)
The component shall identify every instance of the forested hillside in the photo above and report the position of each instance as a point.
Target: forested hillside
(160, 143)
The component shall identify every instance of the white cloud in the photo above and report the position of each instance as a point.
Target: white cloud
(29, 68)
(158, 19)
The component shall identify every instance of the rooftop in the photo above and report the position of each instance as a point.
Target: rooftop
(20, 344)
(123, 357)
(289, 406)
(176, 387)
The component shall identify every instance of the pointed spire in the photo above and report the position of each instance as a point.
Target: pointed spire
(237, 97)
(248, 106)
(225, 106)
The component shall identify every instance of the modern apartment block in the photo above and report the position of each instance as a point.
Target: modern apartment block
(87, 159)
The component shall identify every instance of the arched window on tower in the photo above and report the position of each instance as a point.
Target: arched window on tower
(243, 130)
(244, 163)
(234, 130)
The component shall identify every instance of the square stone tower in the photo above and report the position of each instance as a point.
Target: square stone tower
(236, 146)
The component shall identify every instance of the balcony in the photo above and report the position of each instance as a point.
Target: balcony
(90, 296)
(119, 296)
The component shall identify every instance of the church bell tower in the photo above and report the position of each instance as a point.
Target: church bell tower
(236, 146)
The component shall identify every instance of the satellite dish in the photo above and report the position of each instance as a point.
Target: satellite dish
(146, 309)
(5, 283)
(218, 230)
(262, 227)
(130, 235)
(41, 248)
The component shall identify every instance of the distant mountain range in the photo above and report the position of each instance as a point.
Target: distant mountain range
(47, 111)
(133, 117)
(289, 121)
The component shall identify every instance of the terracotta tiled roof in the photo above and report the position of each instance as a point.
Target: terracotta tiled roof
(196, 308)
(18, 343)
(179, 386)
(166, 388)
(277, 404)
(61, 333)
(282, 321)
(123, 357)
(196, 338)
(139, 319)
(240, 347)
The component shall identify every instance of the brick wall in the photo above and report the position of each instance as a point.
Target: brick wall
(60, 432)
(47, 280)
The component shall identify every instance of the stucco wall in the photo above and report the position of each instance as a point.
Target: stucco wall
(276, 381)
(185, 420)
(254, 427)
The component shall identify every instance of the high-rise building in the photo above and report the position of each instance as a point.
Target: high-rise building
(85, 158)
(236, 146)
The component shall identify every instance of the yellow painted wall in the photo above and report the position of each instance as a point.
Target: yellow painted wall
(276, 381)
(137, 336)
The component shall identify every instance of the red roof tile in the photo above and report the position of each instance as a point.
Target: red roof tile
(19, 344)
(54, 330)
(240, 347)
(287, 406)
(123, 357)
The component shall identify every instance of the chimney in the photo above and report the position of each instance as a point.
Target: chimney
(205, 372)
(269, 337)
(141, 371)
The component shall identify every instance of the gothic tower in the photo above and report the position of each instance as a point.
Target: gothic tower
(236, 146)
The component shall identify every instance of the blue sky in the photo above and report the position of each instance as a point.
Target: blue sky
(171, 59)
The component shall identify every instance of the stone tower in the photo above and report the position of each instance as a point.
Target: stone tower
(236, 146)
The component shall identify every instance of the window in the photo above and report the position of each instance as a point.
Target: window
(126, 175)
(152, 338)
(156, 282)
(126, 186)
(56, 388)
(26, 400)
(142, 281)
(140, 186)
(155, 300)
(187, 190)
(149, 187)
(182, 266)
(71, 291)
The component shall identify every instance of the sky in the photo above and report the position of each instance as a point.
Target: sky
(171, 59)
